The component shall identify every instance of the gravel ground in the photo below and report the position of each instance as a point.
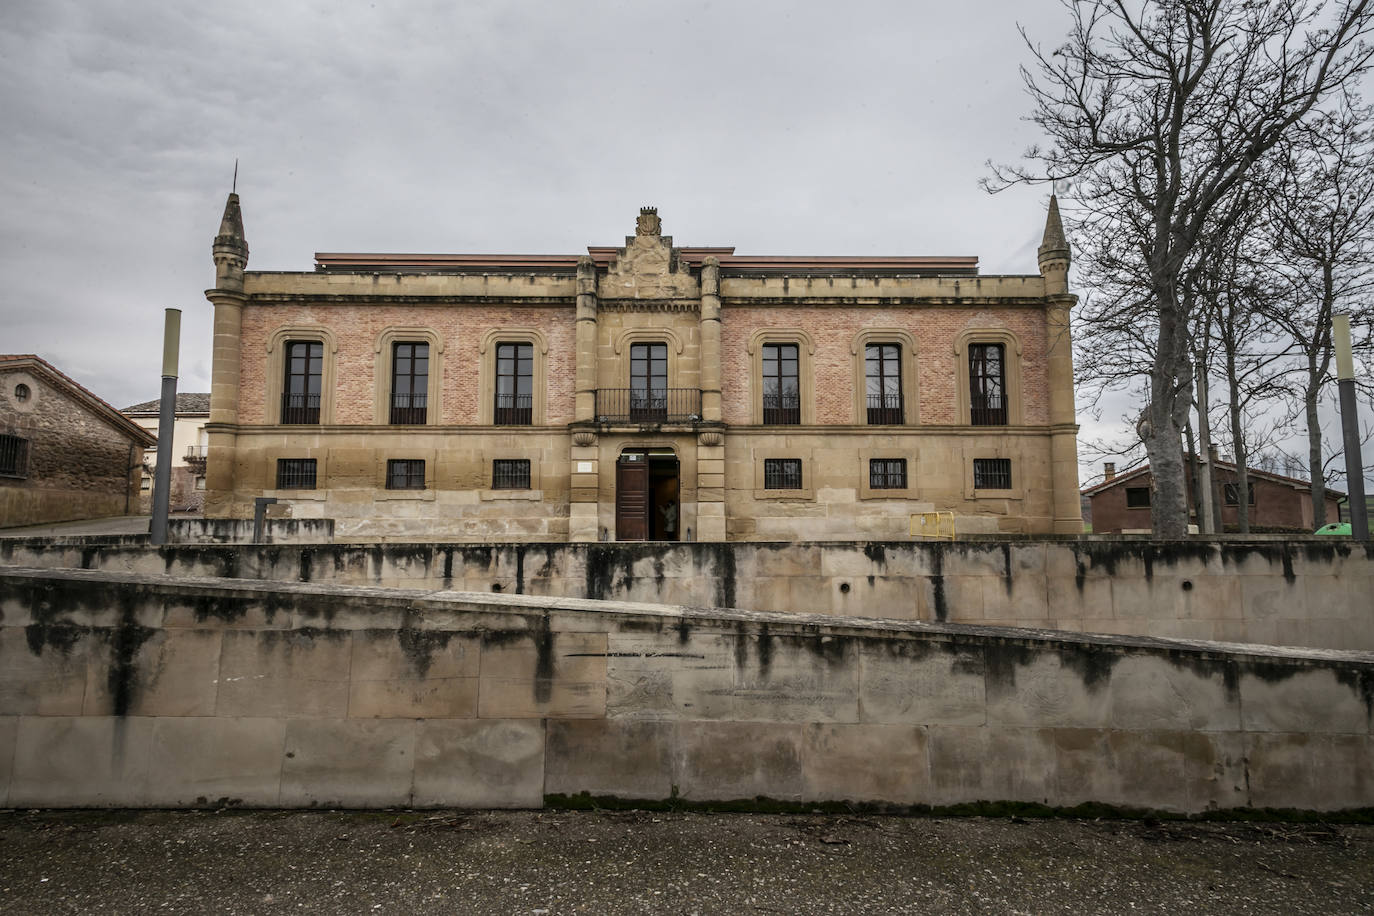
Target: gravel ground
(551, 862)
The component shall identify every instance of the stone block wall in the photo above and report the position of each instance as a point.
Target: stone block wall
(129, 690)
(1305, 593)
(79, 465)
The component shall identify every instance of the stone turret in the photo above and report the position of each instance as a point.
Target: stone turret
(1054, 252)
(230, 249)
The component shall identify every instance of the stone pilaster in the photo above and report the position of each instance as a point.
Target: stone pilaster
(584, 457)
(710, 341)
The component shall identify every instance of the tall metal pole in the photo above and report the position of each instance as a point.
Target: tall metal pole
(1350, 427)
(166, 423)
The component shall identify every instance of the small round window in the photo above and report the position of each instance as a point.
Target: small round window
(21, 392)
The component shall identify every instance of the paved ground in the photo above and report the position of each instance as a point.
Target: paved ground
(530, 862)
(125, 524)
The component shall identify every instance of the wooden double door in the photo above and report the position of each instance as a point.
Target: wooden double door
(647, 497)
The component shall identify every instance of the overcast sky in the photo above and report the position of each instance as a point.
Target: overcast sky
(502, 127)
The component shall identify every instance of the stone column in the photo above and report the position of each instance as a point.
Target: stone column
(710, 443)
(584, 455)
(1068, 509)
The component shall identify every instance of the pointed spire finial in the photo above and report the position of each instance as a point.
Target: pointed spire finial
(1054, 239)
(234, 188)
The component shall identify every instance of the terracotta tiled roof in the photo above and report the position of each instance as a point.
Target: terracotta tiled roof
(97, 405)
(1134, 473)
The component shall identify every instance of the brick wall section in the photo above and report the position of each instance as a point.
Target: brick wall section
(832, 329)
(78, 465)
(1276, 505)
(356, 330)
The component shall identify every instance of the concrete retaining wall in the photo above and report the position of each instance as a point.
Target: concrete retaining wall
(120, 689)
(1313, 593)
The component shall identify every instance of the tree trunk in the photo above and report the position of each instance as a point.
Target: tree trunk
(1238, 442)
(1171, 397)
(1317, 486)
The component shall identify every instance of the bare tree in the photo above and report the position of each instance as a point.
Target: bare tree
(1158, 109)
(1321, 219)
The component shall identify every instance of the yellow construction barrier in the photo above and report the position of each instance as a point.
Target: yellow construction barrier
(933, 525)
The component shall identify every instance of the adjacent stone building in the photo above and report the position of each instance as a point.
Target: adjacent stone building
(189, 446)
(64, 453)
(643, 392)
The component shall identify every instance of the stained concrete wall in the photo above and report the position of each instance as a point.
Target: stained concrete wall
(1312, 593)
(120, 689)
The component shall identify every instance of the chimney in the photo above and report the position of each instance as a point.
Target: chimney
(1108, 471)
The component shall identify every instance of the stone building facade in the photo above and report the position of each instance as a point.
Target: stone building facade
(189, 446)
(65, 454)
(643, 392)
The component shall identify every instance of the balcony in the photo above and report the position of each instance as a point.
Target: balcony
(195, 459)
(643, 405)
(300, 408)
(988, 412)
(885, 410)
(408, 409)
(781, 409)
(514, 410)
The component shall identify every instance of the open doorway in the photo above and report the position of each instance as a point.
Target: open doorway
(647, 496)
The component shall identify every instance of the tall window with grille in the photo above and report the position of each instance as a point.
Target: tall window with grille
(782, 473)
(887, 474)
(405, 474)
(14, 456)
(987, 380)
(409, 382)
(883, 382)
(781, 385)
(510, 474)
(300, 390)
(514, 384)
(295, 473)
(992, 473)
(648, 382)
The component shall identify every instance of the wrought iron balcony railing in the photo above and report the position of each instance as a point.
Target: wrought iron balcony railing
(195, 458)
(644, 405)
(514, 410)
(408, 408)
(782, 409)
(988, 412)
(884, 409)
(300, 408)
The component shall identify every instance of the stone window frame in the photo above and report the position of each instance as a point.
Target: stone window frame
(806, 376)
(428, 456)
(1018, 487)
(807, 491)
(629, 336)
(486, 383)
(1011, 366)
(910, 491)
(383, 355)
(19, 447)
(911, 412)
(488, 493)
(276, 372)
(321, 456)
(12, 382)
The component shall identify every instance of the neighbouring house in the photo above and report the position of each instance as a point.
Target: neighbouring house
(1121, 502)
(189, 441)
(65, 454)
(643, 392)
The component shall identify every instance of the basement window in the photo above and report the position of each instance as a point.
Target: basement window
(405, 474)
(782, 474)
(510, 474)
(295, 473)
(992, 473)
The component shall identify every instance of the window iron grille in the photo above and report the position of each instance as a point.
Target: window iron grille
(992, 473)
(510, 474)
(295, 473)
(887, 474)
(405, 474)
(300, 408)
(782, 473)
(514, 410)
(14, 456)
(884, 409)
(409, 408)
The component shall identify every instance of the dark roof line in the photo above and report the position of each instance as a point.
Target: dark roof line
(190, 403)
(97, 404)
(1124, 476)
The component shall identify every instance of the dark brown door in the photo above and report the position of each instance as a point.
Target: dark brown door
(632, 498)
